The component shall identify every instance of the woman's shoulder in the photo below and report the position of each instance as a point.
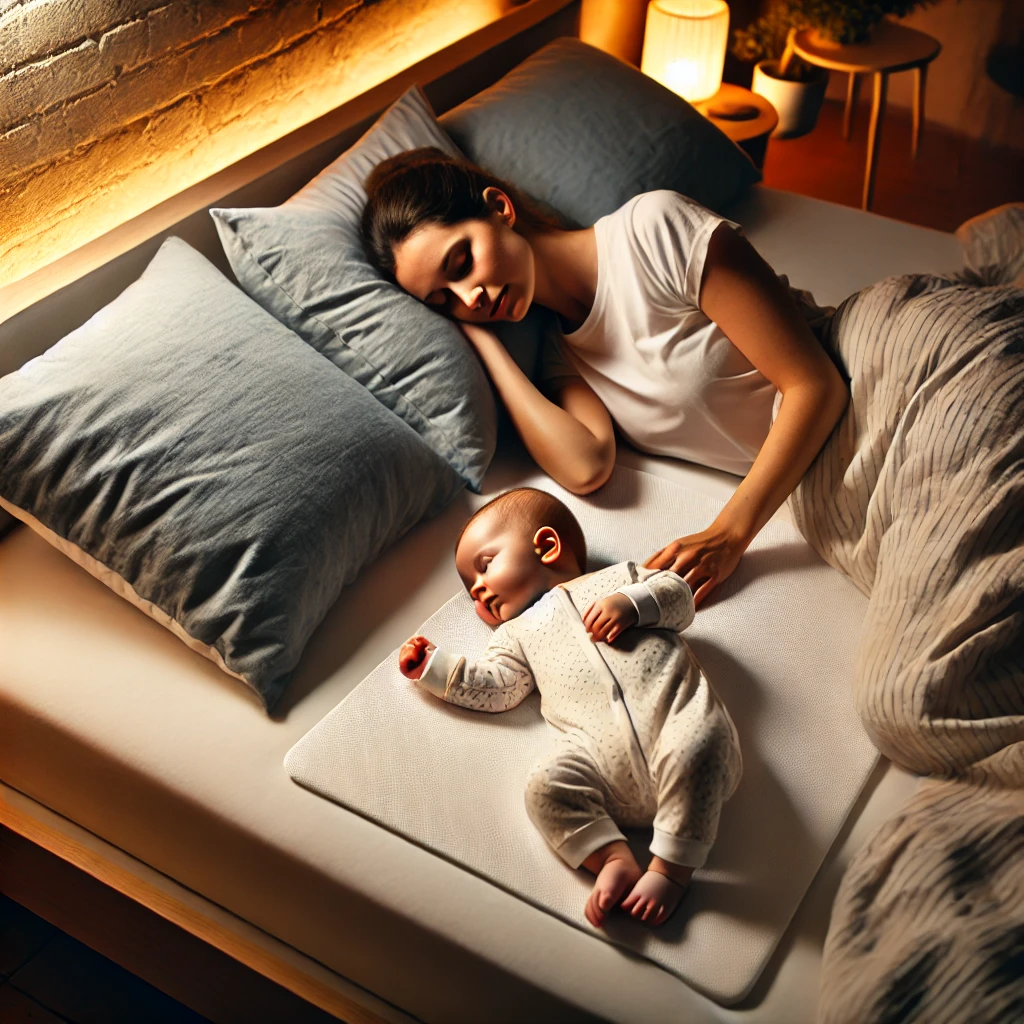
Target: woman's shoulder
(662, 228)
(663, 205)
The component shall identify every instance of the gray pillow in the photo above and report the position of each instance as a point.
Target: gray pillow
(583, 133)
(304, 262)
(209, 466)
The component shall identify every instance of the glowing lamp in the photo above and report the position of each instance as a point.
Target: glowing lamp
(684, 46)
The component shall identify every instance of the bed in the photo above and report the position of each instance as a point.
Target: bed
(157, 773)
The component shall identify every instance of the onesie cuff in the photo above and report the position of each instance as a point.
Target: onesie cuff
(437, 672)
(584, 841)
(647, 609)
(687, 853)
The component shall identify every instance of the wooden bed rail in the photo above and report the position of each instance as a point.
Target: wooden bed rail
(112, 887)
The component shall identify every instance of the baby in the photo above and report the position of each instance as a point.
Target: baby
(643, 737)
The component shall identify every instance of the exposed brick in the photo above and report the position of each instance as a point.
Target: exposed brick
(126, 46)
(181, 24)
(174, 87)
(40, 27)
(34, 87)
(105, 96)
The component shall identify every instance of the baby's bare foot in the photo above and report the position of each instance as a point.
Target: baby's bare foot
(654, 898)
(613, 881)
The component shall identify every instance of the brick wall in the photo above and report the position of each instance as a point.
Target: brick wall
(108, 107)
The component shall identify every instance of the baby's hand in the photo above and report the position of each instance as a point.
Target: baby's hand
(607, 618)
(413, 656)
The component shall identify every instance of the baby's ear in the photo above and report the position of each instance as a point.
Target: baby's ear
(547, 544)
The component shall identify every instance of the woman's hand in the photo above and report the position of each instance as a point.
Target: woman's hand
(570, 438)
(413, 656)
(703, 559)
(607, 618)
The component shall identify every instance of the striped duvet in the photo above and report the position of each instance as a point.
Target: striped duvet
(919, 498)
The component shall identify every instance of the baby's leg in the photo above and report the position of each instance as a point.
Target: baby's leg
(567, 799)
(617, 873)
(657, 892)
(696, 766)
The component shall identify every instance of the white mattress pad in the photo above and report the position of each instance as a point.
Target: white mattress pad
(777, 643)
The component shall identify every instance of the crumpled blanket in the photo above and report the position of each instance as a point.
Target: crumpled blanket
(918, 496)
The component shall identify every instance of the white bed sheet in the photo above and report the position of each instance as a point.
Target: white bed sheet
(107, 719)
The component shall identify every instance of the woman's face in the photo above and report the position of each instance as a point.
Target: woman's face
(478, 270)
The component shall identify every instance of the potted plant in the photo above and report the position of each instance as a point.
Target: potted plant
(795, 88)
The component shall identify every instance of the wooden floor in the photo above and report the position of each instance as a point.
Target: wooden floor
(47, 977)
(952, 179)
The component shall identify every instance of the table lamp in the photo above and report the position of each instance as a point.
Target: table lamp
(684, 46)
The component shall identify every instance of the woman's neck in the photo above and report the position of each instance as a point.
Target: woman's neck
(565, 267)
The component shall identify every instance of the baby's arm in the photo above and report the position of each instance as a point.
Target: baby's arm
(414, 655)
(662, 600)
(608, 616)
(498, 681)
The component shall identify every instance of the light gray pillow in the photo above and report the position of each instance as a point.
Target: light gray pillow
(583, 133)
(208, 465)
(304, 262)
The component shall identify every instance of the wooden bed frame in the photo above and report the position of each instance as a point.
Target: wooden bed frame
(205, 957)
(179, 942)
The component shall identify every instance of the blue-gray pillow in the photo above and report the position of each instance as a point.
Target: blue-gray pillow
(209, 466)
(304, 262)
(583, 133)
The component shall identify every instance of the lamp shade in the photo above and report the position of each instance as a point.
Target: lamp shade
(684, 46)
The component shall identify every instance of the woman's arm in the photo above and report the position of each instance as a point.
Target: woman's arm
(741, 293)
(573, 441)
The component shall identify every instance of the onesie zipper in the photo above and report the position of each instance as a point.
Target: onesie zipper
(619, 708)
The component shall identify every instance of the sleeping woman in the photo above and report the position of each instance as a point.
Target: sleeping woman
(672, 326)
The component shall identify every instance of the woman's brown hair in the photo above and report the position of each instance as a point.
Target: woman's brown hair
(427, 186)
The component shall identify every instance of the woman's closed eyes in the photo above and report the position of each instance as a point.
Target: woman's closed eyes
(457, 263)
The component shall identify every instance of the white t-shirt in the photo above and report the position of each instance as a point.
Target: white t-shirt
(671, 379)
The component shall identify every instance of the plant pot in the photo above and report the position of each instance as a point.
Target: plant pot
(797, 103)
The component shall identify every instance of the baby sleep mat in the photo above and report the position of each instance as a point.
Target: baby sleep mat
(777, 642)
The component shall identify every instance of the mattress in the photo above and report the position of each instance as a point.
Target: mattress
(109, 720)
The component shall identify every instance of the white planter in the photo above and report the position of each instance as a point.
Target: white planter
(797, 103)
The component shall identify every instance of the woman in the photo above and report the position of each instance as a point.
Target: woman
(672, 324)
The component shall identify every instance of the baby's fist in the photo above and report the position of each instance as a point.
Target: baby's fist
(413, 656)
(606, 619)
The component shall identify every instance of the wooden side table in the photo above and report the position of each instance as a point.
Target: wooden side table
(892, 47)
(747, 118)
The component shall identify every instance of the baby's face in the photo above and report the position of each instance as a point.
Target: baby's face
(501, 569)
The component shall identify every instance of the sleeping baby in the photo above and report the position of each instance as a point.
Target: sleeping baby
(642, 737)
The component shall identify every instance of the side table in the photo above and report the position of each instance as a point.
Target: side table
(747, 118)
(892, 47)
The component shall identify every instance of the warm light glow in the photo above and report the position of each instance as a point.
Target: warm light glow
(684, 46)
(92, 189)
(683, 76)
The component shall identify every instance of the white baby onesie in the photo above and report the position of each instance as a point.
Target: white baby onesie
(643, 739)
